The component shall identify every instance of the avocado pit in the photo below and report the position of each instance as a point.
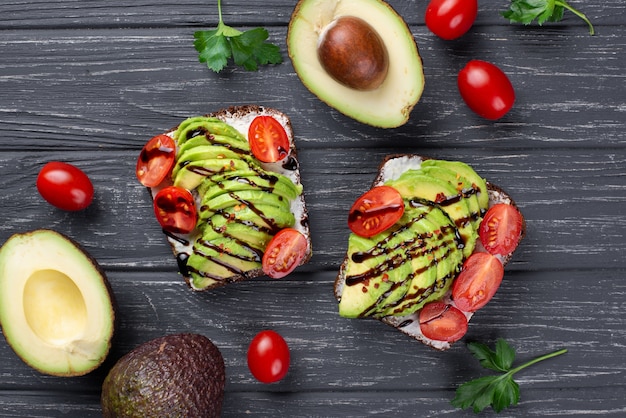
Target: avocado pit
(353, 53)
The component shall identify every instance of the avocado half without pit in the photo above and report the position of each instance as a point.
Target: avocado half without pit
(357, 56)
(56, 306)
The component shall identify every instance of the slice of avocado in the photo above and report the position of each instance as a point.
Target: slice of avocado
(268, 184)
(261, 215)
(463, 186)
(249, 233)
(373, 266)
(266, 178)
(205, 126)
(243, 198)
(414, 184)
(56, 306)
(387, 106)
(423, 250)
(210, 139)
(464, 170)
(177, 375)
(219, 260)
(201, 153)
(446, 258)
(191, 175)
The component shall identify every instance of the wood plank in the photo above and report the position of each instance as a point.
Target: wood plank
(125, 13)
(122, 85)
(533, 402)
(531, 310)
(573, 203)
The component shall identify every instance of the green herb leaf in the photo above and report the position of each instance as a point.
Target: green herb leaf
(248, 49)
(497, 391)
(526, 11)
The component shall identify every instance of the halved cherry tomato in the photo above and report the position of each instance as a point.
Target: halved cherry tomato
(501, 229)
(175, 210)
(268, 139)
(442, 322)
(375, 211)
(156, 160)
(449, 19)
(65, 186)
(478, 281)
(486, 89)
(268, 356)
(284, 253)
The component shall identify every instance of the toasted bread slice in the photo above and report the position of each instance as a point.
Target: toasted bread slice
(391, 168)
(238, 119)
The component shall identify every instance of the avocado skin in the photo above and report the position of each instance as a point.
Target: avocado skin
(179, 375)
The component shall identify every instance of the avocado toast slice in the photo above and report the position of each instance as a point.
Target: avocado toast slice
(445, 202)
(241, 202)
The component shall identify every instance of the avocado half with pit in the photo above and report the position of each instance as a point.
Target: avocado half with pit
(357, 56)
(56, 306)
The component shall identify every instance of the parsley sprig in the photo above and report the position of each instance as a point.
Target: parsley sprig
(525, 11)
(248, 49)
(499, 391)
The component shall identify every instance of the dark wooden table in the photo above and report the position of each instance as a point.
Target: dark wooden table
(89, 82)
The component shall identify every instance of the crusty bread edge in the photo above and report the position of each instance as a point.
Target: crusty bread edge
(409, 324)
(233, 114)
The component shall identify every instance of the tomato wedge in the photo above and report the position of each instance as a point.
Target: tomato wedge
(442, 322)
(175, 210)
(284, 253)
(501, 229)
(375, 211)
(478, 281)
(268, 139)
(156, 160)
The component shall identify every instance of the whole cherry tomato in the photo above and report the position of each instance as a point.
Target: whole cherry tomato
(268, 356)
(449, 19)
(442, 322)
(156, 160)
(501, 229)
(175, 209)
(478, 281)
(375, 211)
(284, 253)
(65, 186)
(268, 139)
(486, 89)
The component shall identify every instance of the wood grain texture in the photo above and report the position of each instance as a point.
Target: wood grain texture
(89, 82)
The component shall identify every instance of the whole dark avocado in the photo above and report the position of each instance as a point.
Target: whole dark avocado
(179, 375)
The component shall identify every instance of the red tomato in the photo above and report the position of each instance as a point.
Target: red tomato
(478, 281)
(175, 210)
(375, 211)
(449, 19)
(501, 229)
(156, 160)
(284, 253)
(442, 322)
(65, 186)
(486, 89)
(268, 356)
(268, 140)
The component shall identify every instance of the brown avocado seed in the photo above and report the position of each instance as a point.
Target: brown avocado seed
(352, 52)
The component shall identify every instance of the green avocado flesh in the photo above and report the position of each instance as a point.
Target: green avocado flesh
(398, 271)
(241, 205)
